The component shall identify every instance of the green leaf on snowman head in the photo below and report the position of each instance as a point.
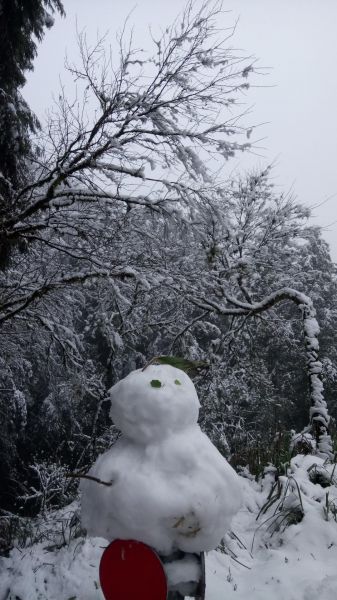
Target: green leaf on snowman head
(155, 383)
(177, 382)
(189, 366)
(192, 367)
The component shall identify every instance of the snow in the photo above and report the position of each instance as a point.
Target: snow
(72, 572)
(311, 327)
(49, 20)
(297, 562)
(293, 563)
(170, 487)
(11, 108)
(144, 412)
(182, 571)
(21, 407)
(302, 438)
(324, 444)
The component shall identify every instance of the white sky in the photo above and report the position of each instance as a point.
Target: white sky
(297, 100)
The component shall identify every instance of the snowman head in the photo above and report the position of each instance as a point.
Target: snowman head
(150, 404)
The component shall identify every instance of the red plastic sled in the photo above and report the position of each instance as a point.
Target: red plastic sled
(130, 570)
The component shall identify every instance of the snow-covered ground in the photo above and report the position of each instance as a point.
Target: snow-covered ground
(297, 562)
(261, 559)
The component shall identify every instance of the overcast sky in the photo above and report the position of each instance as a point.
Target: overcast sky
(296, 100)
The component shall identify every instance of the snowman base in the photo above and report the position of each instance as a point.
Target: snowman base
(130, 569)
(186, 575)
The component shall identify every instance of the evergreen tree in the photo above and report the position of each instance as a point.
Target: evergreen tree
(21, 23)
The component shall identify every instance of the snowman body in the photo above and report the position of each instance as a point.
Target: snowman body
(170, 487)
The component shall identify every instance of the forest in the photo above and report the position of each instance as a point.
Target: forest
(121, 244)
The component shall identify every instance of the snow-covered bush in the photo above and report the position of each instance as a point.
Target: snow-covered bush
(50, 488)
(309, 487)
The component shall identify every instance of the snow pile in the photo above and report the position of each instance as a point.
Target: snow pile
(71, 572)
(170, 487)
(187, 569)
(290, 551)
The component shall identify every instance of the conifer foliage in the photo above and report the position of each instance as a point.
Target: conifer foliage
(22, 25)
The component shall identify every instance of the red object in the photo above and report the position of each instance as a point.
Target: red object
(130, 570)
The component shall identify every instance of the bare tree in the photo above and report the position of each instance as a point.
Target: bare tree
(109, 153)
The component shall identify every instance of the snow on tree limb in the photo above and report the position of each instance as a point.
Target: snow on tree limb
(15, 305)
(319, 417)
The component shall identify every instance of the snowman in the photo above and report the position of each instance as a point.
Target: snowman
(169, 487)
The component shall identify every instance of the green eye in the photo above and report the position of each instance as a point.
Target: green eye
(177, 382)
(155, 383)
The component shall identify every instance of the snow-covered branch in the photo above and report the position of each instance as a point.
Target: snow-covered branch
(17, 304)
(319, 416)
(163, 111)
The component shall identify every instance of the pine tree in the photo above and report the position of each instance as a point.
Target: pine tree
(21, 23)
